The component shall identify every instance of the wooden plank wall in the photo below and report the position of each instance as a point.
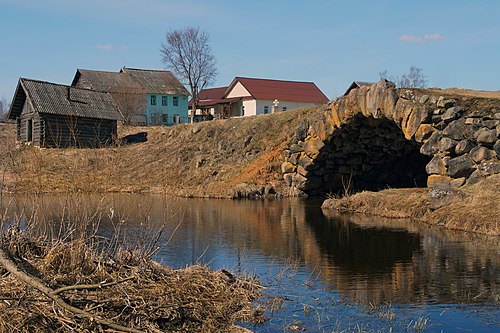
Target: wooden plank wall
(70, 131)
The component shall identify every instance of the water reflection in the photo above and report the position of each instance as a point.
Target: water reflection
(365, 259)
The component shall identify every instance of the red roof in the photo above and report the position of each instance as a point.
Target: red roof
(212, 93)
(290, 91)
(212, 96)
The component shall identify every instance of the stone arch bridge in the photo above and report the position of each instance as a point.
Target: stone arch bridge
(379, 136)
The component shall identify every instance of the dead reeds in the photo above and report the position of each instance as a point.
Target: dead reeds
(65, 277)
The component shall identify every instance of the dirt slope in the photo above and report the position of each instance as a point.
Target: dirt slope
(223, 158)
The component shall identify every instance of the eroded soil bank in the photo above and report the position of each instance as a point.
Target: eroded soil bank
(472, 208)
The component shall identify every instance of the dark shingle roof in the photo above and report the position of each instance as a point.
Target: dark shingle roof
(357, 84)
(46, 97)
(131, 80)
(156, 82)
(108, 81)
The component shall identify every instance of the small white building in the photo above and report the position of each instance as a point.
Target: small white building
(263, 96)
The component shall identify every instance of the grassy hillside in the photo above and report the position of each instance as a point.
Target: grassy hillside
(223, 158)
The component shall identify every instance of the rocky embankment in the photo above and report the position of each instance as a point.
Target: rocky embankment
(380, 136)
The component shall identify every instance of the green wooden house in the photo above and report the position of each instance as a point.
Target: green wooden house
(145, 97)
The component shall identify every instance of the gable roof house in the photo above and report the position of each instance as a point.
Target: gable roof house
(145, 97)
(55, 115)
(356, 85)
(251, 96)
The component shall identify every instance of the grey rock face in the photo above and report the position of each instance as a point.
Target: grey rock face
(461, 166)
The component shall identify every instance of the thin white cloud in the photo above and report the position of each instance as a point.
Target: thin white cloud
(411, 39)
(105, 47)
(434, 37)
(420, 39)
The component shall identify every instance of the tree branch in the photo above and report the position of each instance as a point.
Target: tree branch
(49, 292)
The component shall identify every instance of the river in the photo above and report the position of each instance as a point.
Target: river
(322, 273)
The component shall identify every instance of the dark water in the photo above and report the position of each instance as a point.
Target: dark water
(330, 274)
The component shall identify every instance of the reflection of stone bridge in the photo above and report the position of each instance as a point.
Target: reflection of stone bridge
(379, 136)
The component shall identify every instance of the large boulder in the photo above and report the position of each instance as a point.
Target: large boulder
(461, 166)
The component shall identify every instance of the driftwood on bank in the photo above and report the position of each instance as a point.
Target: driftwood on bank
(68, 286)
(34, 282)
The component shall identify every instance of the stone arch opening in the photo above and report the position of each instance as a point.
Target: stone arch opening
(367, 153)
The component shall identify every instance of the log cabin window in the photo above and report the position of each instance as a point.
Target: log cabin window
(175, 101)
(29, 130)
(152, 100)
(164, 100)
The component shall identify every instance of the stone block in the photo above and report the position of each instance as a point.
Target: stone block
(447, 145)
(441, 196)
(313, 146)
(496, 148)
(302, 171)
(455, 130)
(489, 168)
(491, 124)
(458, 182)
(486, 136)
(287, 167)
(479, 154)
(418, 116)
(461, 166)
(452, 114)
(445, 103)
(423, 132)
(294, 158)
(464, 146)
(305, 161)
(474, 178)
(288, 178)
(430, 147)
(299, 181)
(423, 99)
(436, 166)
(301, 131)
(438, 180)
(295, 148)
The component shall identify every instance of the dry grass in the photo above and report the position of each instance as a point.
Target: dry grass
(204, 159)
(113, 281)
(477, 211)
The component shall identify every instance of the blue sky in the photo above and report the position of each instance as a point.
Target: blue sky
(332, 43)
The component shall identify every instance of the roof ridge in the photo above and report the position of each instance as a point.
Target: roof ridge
(280, 80)
(97, 71)
(61, 85)
(146, 70)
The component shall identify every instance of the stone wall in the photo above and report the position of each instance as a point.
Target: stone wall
(379, 136)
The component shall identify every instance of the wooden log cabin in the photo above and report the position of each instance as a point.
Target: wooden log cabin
(60, 116)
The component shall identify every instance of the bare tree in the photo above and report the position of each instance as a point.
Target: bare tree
(188, 54)
(413, 79)
(3, 109)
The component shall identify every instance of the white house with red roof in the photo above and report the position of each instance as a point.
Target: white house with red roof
(263, 96)
(251, 96)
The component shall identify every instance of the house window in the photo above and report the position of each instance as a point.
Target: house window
(266, 109)
(284, 108)
(175, 101)
(176, 119)
(152, 100)
(164, 100)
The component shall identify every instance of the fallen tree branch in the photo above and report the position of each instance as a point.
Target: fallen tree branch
(49, 292)
(90, 286)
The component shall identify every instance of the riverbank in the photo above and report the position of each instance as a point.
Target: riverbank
(231, 158)
(471, 208)
(79, 282)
